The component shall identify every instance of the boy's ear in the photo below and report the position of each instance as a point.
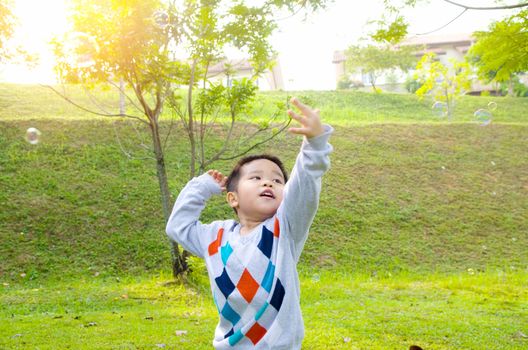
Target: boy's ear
(232, 199)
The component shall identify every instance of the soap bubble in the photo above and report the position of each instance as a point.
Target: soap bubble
(483, 116)
(80, 49)
(492, 106)
(161, 19)
(439, 108)
(33, 136)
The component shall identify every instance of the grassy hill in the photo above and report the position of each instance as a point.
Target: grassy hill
(413, 194)
(421, 236)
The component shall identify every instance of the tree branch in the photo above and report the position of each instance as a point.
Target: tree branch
(89, 110)
(445, 25)
(258, 143)
(126, 95)
(505, 7)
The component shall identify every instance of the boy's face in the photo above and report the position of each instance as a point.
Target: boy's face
(259, 190)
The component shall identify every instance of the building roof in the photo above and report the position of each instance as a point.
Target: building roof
(432, 43)
(237, 65)
(436, 40)
(339, 56)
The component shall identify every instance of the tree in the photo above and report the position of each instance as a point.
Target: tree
(375, 60)
(393, 27)
(140, 42)
(7, 23)
(502, 52)
(445, 84)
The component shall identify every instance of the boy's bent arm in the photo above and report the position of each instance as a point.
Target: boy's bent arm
(301, 194)
(184, 226)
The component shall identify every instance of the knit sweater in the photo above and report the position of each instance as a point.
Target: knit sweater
(253, 277)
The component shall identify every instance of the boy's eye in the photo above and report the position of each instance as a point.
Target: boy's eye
(255, 178)
(279, 181)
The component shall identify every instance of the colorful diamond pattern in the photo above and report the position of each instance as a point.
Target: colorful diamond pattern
(225, 252)
(266, 242)
(224, 283)
(230, 314)
(247, 286)
(251, 321)
(256, 333)
(213, 247)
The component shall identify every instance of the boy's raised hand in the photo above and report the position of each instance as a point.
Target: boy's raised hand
(309, 119)
(220, 179)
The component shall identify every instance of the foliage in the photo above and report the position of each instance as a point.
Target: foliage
(445, 84)
(153, 47)
(502, 52)
(235, 104)
(515, 86)
(394, 33)
(393, 26)
(412, 85)
(344, 83)
(375, 60)
(7, 23)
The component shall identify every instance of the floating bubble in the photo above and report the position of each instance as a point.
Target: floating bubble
(33, 136)
(80, 49)
(439, 108)
(483, 116)
(492, 106)
(161, 19)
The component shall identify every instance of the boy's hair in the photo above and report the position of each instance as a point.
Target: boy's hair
(232, 179)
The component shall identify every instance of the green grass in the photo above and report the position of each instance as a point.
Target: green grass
(341, 311)
(421, 236)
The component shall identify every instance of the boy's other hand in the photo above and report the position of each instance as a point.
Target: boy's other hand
(220, 179)
(309, 119)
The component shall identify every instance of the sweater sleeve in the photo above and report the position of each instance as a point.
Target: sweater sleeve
(184, 226)
(301, 193)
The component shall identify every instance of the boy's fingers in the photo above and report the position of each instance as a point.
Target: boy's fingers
(295, 116)
(302, 107)
(300, 131)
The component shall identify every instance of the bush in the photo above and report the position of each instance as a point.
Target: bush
(344, 83)
(519, 89)
(411, 85)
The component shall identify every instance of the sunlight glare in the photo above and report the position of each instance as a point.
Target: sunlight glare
(38, 23)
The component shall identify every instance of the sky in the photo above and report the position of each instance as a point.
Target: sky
(305, 42)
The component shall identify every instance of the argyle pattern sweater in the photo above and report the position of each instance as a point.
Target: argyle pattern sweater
(253, 277)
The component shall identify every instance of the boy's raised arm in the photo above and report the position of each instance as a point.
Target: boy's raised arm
(301, 194)
(184, 226)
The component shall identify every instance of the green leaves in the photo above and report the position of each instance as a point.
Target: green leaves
(392, 32)
(502, 51)
(443, 83)
(374, 60)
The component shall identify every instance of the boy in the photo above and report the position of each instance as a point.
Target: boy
(252, 262)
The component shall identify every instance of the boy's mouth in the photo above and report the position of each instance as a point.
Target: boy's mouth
(267, 193)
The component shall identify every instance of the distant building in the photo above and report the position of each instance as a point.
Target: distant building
(229, 70)
(446, 47)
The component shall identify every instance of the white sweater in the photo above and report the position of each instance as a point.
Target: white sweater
(254, 277)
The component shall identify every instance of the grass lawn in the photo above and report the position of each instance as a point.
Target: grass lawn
(421, 236)
(341, 311)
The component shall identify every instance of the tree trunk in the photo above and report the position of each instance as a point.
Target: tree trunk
(190, 124)
(510, 87)
(179, 262)
(122, 97)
